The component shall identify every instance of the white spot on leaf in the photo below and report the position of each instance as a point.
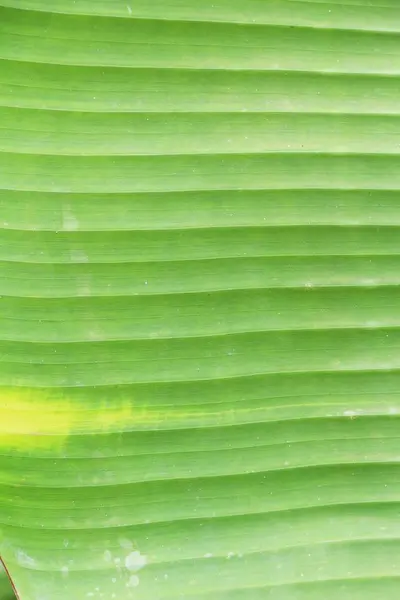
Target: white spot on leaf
(349, 413)
(77, 255)
(125, 543)
(135, 561)
(24, 560)
(69, 221)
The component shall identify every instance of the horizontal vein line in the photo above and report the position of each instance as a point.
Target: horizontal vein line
(272, 511)
(279, 190)
(149, 337)
(295, 583)
(202, 452)
(299, 545)
(323, 74)
(148, 483)
(263, 552)
(198, 380)
(394, 153)
(389, 222)
(358, 413)
(203, 44)
(174, 190)
(114, 111)
(143, 113)
(222, 21)
(209, 260)
(274, 402)
(184, 379)
(381, 328)
(152, 20)
(289, 288)
(194, 291)
(268, 153)
(327, 71)
(205, 379)
(261, 226)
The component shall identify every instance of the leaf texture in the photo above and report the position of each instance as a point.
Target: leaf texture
(6, 592)
(199, 310)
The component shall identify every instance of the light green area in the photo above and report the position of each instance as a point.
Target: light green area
(199, 299)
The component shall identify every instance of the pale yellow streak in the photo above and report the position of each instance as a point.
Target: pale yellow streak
(35, 418)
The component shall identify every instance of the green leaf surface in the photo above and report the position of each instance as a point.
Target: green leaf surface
(6, 592)
(199, 299)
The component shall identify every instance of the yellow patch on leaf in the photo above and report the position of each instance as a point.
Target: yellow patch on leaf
(32, 418)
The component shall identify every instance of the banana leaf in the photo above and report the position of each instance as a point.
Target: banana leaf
(6, 592)
(199, 299)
